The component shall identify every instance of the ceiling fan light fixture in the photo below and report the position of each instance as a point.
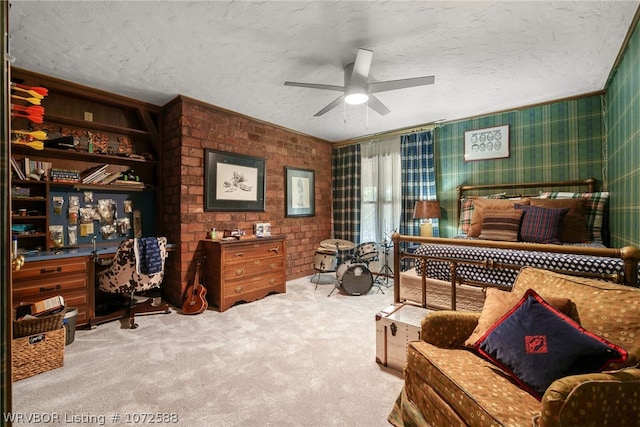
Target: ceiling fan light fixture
(356, 98)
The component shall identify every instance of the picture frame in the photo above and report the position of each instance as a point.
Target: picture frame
(487, 143)
(300, 192)
(233, 182)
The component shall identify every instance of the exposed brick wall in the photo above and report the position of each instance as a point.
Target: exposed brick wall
(190, 126)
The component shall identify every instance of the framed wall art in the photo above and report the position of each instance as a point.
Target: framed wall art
(300, 192)
(487, 143)
(233, 182)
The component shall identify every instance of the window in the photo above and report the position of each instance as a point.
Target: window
(380, 190)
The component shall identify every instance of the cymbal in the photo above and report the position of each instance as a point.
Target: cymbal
(341, 245)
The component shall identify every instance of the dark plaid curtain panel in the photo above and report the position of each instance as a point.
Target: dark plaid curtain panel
(418, 178)
(346, 193)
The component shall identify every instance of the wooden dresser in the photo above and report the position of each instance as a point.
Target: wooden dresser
(243, 270)
(68, 277)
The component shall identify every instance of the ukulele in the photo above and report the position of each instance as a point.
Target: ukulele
(196, 302)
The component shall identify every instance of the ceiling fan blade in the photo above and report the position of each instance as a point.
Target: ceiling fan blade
(330, 107)
(362, 65)
(316, 86)
(378, 106)
(400, 84)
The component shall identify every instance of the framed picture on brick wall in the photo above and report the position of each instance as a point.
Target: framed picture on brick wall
(300, 193)
(233, 182)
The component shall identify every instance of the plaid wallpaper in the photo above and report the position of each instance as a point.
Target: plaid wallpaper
(558, 141)
(623, 147)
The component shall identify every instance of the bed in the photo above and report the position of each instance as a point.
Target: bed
(500, 230)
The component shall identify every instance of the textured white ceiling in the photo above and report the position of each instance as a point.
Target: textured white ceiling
(487, 56)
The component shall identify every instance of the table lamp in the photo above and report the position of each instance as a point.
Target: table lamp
(426, 209)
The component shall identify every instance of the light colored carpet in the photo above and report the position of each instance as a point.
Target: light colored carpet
(294, 359)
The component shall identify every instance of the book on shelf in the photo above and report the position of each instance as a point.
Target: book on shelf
(65, 175)
(97, 178)
(109, 179)
(26, 166)
(128, 183)
(88, 176)
(16, 169)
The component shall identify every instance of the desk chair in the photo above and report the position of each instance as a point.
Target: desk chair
(137, 267)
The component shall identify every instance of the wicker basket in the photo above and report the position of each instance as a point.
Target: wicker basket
(37, 325)
(37, 353)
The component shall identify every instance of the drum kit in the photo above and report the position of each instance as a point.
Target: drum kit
(352, 270)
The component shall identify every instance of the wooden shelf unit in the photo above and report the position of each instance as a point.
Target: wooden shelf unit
(130, 126)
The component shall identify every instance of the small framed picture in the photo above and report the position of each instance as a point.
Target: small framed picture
(487, 143)
(300, 192)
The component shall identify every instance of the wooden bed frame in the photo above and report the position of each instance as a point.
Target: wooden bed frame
(630, 255)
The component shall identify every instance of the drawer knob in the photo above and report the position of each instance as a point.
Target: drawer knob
(272, 281)
(273, 265)
(53, 288)
(52, 270)
(238, 289)
(276, 249)
(240, 272)
(238, 254)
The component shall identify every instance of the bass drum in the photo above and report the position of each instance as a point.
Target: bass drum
(354, 279)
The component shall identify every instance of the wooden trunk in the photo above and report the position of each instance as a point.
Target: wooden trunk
(396, 326)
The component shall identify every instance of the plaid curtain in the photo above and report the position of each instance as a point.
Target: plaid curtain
(418, 178)
(346, 193)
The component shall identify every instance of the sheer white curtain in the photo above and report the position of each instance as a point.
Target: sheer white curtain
(381, 189)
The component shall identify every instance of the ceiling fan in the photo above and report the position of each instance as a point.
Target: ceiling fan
(358, 90)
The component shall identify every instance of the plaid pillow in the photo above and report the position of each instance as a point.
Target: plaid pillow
(466, 212)
(594, 210)
(541, 225)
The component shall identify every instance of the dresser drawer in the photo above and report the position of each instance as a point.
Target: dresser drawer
(254, 267)
(36, 290)
(250, 251)
(41, 269)
(234, 288)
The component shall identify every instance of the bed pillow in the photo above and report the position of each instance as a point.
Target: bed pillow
(466, 212)
(541, 225)
(574, 224)
(536, 345)
(498, 302)
(482, 205)
(594, 209)
(501, 225)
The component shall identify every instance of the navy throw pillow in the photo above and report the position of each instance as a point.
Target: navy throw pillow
(536, 345)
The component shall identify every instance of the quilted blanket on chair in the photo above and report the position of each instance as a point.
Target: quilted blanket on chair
(148, 256)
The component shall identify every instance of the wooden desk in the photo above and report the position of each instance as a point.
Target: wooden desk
(243, 270)
(71, 277)
(68, 272)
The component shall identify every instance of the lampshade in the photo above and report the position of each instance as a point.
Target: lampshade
(426, 209)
